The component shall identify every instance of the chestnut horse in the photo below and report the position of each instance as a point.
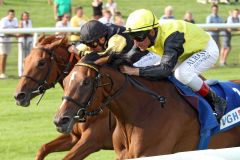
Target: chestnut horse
(46, 65)
(143, 127)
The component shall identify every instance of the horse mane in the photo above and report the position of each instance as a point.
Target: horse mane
(44, 40)
(112, 60)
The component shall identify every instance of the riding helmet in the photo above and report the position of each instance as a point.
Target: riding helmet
(91, 31)
(141, 20)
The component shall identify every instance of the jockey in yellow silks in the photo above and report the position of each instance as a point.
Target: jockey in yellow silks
(183, 47)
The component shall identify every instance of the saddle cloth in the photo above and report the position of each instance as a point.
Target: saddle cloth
(208, 122)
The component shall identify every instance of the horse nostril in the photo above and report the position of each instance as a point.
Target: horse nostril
(61, 121)
(20, 96)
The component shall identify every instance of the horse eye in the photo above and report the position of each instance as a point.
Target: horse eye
(41, 63)
(86, 82)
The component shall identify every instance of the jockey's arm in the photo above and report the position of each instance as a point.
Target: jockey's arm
(173, 48)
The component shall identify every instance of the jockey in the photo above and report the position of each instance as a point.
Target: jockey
(184, 48)
(101, 38)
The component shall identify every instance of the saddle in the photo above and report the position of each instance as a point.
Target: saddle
(209, 126)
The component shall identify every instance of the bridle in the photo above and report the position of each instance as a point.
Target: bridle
(82, 112)
(43, 84)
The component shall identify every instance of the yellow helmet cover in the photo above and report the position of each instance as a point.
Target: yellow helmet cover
(141, 20)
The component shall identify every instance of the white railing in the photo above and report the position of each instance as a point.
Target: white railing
(219, 26)
(74, 29)
(36, 31)
(210, 154)
(39, 30)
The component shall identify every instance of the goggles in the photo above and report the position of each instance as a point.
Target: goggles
(139, 36)
(93, 44)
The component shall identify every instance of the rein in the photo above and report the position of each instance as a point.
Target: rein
(83, 113)
(43, 85)
(145, 89)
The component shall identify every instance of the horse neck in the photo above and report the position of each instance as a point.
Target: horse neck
(130, 101)
(62, 60)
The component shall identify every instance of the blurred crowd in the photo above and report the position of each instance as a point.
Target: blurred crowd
(67, 16)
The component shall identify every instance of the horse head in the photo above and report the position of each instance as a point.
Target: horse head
(82, 93)
(46, 65)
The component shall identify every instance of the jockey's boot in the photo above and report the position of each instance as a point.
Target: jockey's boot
(217, 103)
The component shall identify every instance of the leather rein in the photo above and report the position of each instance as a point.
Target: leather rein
(83, 113)
(43, 84)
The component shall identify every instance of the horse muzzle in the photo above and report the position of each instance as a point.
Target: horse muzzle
(22, 99)
(64, 124)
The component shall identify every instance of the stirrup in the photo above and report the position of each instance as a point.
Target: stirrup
(217, 116)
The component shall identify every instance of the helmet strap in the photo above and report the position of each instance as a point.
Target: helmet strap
(152, 38)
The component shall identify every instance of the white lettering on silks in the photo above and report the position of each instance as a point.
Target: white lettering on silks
(230, 118)
(236, 90)
(149, 59)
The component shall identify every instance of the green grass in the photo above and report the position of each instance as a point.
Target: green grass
(24, 130)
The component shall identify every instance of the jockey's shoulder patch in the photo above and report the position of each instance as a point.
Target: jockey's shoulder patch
(83, 49)
(116, 43)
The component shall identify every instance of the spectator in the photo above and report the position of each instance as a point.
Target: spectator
(188, 17)
(168, 14)
(60, 7)
(107, 17)
(118, 19)
(214, 18)
(112, 6)
(50, 2)
(64, 22)
(97, 9)
(77, 21)
(25, 41)
(233, 18)
(1, 2)
(10, 21)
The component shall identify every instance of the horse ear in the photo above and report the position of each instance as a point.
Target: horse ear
(48, 40)
(64, 40)
(56, 43)
(42, 36)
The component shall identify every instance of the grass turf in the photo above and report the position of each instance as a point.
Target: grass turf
(24, 130)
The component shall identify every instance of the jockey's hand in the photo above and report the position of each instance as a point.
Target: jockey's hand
(73, 49)
(129, 70)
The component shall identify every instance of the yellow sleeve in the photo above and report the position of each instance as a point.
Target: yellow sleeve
(83, 49)
(116, 44)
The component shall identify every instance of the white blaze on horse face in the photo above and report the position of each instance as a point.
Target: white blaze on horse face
(72, 78)
(63, 102)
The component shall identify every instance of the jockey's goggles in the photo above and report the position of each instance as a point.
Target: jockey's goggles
(92, 44)
(139, 36)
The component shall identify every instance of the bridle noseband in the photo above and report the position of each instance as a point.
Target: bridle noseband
(41, 89)
(43, 84)
(82, 112)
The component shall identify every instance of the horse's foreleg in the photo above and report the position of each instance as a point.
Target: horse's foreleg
(62, 143)
(83, 148)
